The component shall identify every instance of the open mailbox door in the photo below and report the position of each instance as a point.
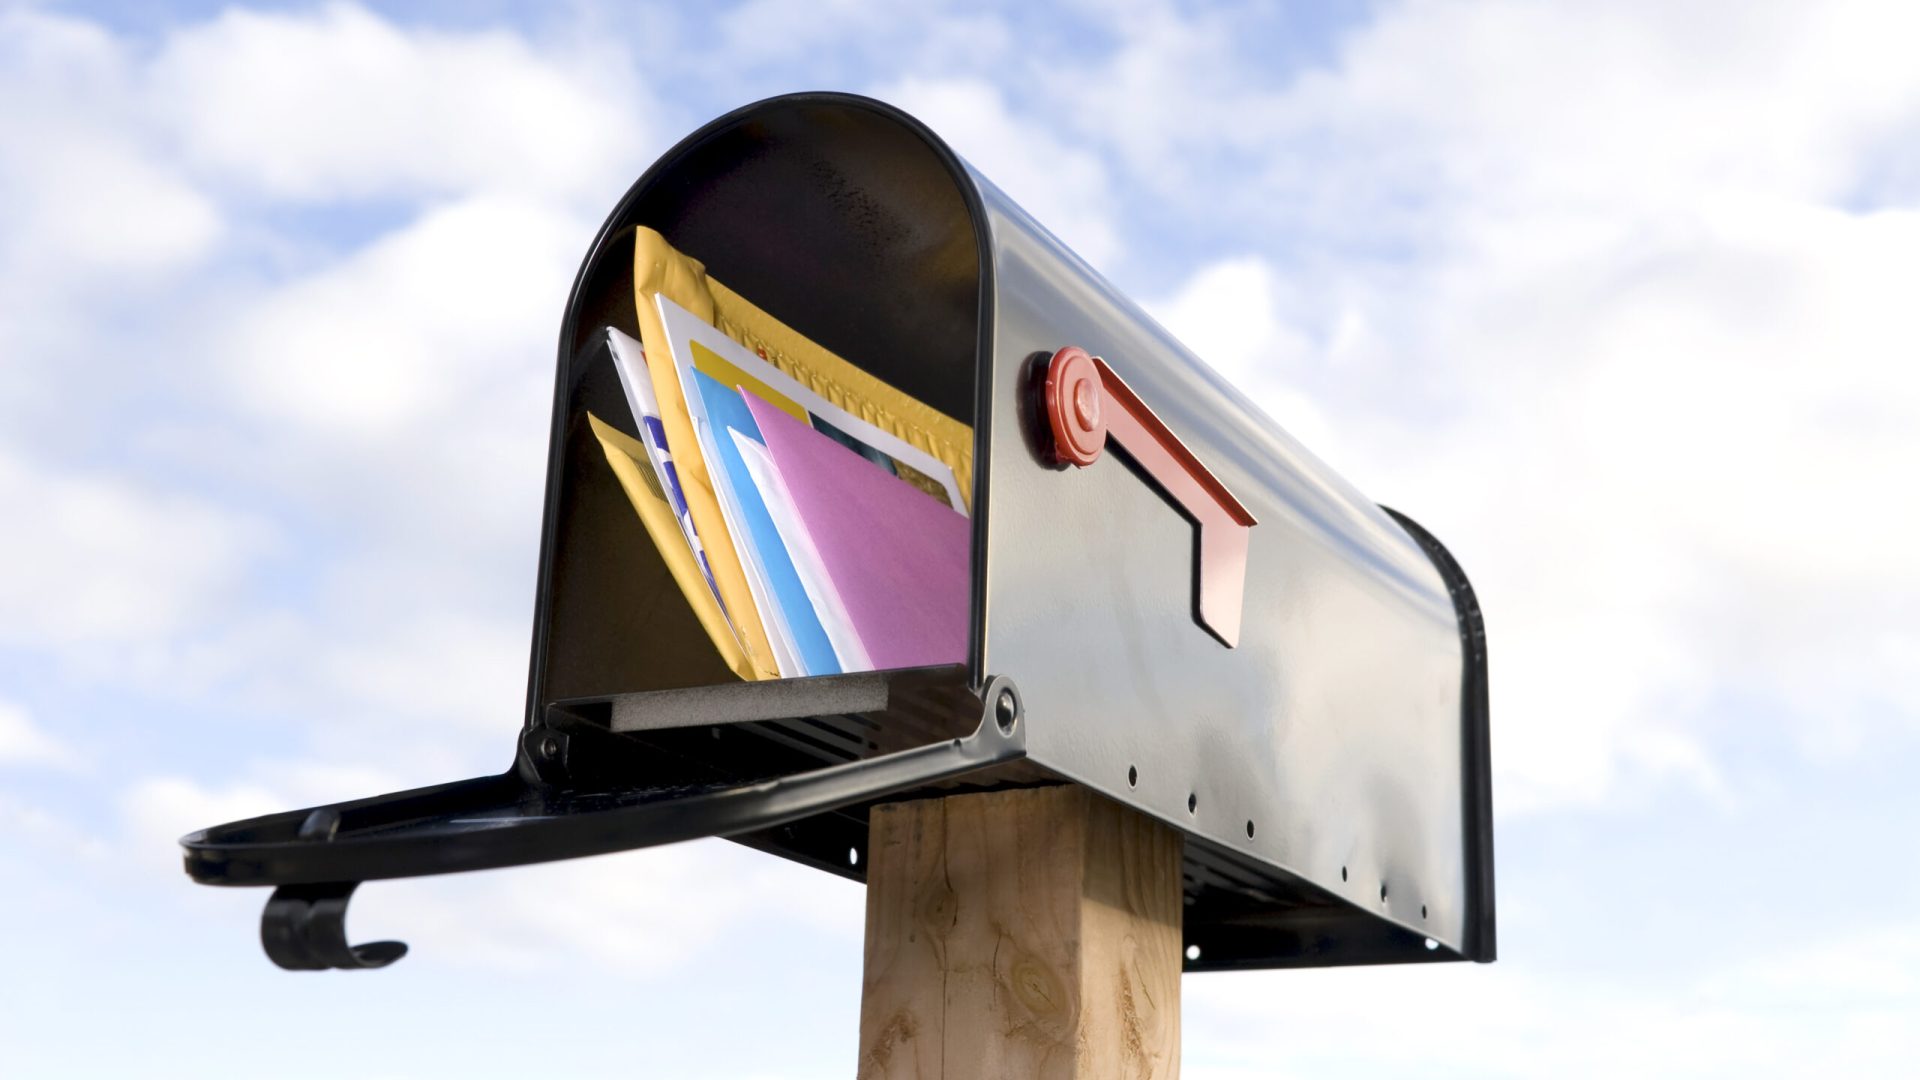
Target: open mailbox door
(1169, 601)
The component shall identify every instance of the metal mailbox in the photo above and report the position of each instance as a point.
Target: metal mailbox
(1172, 602)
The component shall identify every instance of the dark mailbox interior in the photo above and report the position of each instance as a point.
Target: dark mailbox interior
(851, 227)
(854, 228)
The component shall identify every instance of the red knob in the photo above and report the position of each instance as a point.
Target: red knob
(1075, 407)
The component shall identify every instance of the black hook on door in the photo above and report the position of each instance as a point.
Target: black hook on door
(304, 928)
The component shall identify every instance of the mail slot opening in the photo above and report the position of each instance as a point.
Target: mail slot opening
(793, 496)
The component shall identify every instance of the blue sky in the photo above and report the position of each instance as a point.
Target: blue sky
(1616, 298)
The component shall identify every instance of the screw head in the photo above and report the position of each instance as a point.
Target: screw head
(550, 747)
(1006, 711)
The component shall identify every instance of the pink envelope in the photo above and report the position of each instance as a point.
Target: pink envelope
(897, 556)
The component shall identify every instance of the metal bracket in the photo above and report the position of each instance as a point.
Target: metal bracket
(544, 753)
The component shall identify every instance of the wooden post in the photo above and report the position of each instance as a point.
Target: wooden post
(1024, 933)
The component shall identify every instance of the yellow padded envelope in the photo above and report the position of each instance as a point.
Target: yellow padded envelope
(659, 270)
(631, 466)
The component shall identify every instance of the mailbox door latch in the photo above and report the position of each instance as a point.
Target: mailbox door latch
(1085, 405)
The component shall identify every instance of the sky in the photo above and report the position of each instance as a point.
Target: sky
(1618, 299)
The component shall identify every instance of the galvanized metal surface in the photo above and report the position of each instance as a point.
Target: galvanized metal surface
(1327, 745)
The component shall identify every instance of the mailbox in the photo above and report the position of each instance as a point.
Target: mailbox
(1169, 600)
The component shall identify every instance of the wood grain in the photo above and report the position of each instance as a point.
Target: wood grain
(1027, 933)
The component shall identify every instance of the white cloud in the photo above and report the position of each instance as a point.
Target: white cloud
(95, 558)
(1613, 297)
(375, 410)
(1833, 1008)
(1712, 445)
(1624, 104)
(1065, 186)
(22, 742)
(856, 36)
(159, 809)
(379, 408)
(450, 668)
(1583, 291)
(1228, 313)
(637, 915)
(1439, 107)
(341, 103)
(414, 328)
(87, 188)
(1172, 92)
(404, 392)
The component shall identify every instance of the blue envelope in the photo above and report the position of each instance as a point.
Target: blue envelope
(727, 410)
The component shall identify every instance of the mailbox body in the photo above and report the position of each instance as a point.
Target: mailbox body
(1329, 771)
(1329, 745)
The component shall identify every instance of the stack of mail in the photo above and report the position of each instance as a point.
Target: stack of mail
(811, 539)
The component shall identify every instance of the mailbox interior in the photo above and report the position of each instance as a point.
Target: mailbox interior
(845, 224)
(861, 231)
